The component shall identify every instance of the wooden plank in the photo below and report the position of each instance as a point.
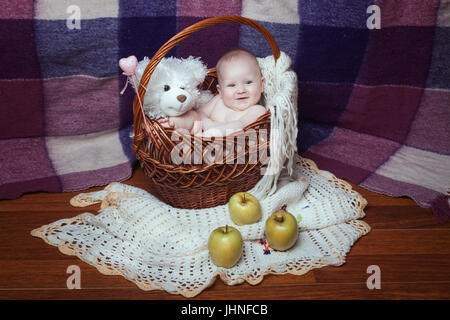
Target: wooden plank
(339, 291)
(403, 242)
(401, 217)
(393, 268)
(37, 202)
(52, 274)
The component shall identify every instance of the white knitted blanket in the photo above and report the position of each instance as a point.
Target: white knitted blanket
(157, 246)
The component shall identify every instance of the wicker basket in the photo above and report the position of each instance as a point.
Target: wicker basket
(201, 182)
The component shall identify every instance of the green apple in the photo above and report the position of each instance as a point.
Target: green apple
(225, 246)
(244, 208)
(281, 230)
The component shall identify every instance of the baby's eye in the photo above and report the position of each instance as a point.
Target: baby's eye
(166, 88)
(249, 82)
(231, 85)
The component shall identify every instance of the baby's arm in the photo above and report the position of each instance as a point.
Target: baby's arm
(232, 127)
(252, 115)
(185, 121)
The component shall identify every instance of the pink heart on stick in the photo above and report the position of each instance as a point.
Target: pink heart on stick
(128, 65)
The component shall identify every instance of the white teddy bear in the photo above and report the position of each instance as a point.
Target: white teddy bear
(172, 89)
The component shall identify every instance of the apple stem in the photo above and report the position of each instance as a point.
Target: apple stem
(279, 218)
(226, 228)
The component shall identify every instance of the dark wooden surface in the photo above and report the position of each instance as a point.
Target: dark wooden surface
(410, 247)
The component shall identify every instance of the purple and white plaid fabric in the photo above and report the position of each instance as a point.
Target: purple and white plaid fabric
(374, 86)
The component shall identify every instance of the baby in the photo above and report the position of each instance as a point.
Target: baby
(240, 85)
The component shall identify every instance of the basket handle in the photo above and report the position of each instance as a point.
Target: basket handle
(185, 33)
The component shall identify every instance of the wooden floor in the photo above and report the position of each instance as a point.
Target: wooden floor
(406, 242)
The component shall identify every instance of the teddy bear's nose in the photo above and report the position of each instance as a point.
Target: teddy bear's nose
(181, 98)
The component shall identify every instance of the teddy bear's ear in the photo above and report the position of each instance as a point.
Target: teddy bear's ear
(197, 68)
(141, 68)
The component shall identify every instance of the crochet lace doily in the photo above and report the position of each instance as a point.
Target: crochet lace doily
(157, 246)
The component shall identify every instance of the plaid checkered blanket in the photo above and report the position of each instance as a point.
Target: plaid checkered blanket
(374, 86)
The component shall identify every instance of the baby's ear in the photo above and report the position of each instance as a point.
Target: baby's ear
(197, 68)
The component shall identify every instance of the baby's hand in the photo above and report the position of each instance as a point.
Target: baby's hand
(197, 129)
(166, 123)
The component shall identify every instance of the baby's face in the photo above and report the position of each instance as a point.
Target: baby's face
(240, 83)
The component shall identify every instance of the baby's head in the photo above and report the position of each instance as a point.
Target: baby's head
(240, 82)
